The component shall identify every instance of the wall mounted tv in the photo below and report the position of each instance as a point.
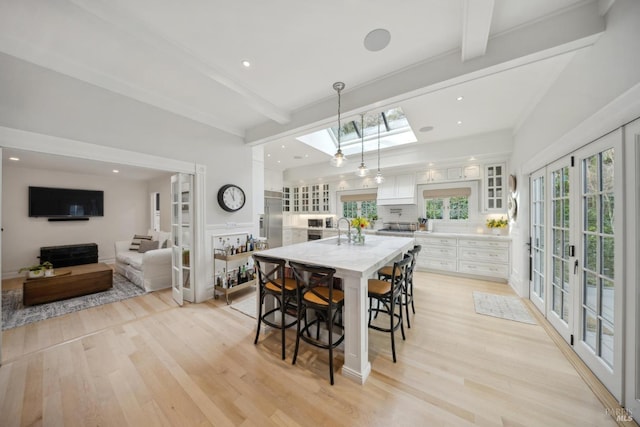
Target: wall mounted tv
(65, 202)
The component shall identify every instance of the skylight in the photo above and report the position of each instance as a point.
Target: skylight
(394, 131)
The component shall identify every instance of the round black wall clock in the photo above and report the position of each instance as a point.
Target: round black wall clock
(231, 198)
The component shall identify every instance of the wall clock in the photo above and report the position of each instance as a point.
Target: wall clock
(231, 198)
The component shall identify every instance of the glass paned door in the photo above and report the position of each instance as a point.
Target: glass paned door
(181, 228)
(599, 272)
(559, 307)
(538, 247)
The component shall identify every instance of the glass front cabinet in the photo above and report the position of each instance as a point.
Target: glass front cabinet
(494, 188)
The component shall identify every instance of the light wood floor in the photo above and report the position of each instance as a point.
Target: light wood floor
(145, 361)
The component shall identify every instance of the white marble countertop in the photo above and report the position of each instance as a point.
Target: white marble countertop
(376, 251)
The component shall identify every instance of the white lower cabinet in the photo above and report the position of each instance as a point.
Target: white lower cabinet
(473, 256)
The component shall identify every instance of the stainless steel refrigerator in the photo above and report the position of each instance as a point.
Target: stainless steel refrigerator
(271, 220)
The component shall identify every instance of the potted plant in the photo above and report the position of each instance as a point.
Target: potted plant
(372, 220)
(495, 224)
(38, 270)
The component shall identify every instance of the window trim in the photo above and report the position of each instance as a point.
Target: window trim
(438, 190)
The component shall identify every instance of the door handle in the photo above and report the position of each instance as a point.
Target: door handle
(575, 267)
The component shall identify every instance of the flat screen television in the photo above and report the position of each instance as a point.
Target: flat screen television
(65, 202)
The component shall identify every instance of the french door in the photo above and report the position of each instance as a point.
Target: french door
(181, 231)
(576, 277)
(600, 271)
(561, 288)
(537, 246)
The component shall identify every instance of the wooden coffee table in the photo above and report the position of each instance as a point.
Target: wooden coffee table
(68, 283)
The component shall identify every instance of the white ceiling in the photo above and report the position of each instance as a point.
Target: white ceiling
(156, 57)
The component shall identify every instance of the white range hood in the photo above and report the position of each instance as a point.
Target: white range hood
(397, 190)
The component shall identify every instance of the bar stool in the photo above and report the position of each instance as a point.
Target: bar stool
(408, 283)
(318, 295)
(283, 290)
(388, 294)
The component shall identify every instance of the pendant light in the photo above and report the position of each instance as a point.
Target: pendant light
(362, 169)
(338, 159)
(379, 178)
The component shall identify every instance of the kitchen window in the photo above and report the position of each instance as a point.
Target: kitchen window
(364, 205)
(448, 203)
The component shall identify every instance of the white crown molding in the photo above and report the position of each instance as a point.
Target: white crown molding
(37, 142)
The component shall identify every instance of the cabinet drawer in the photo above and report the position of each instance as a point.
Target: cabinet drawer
(439, 241)
(498, 256)
(470, 243)
(482, 269)
(440, 264)
(439, 251)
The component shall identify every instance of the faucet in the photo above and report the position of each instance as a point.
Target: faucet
(348, 232)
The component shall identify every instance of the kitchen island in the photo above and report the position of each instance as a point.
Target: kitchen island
(354, 264)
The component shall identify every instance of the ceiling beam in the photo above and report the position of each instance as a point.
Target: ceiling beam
(124, 21)
(476, 23)
(574, 29)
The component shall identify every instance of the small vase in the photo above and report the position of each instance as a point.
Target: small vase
(358, 239)
(35, 273)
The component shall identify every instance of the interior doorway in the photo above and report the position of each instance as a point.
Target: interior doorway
(154, 205)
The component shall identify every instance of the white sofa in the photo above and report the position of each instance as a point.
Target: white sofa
(150, 270)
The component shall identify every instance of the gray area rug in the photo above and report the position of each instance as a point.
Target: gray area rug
(246, 306)
(15, 314)
(504, 307)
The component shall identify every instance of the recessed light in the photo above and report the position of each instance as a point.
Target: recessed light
(459, 122)
(116, 171)
(306, 155)
(460, 98)
(426, 128)
(472, 159)
(282, 145)
(245, 63)
(278, 161)
(377, 39)
(268, 155)
(15, 159)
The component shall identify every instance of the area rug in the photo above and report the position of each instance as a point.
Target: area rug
(15, 314)
(246, 306)
(504, 307)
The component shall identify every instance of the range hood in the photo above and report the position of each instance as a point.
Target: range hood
(397, 190)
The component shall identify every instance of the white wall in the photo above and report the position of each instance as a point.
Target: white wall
(126, 206)
(595, 77)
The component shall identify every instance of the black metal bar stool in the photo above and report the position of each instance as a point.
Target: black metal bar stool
(318, 296)
(389, 294)
(272, 281)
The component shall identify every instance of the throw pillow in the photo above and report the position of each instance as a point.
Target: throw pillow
(135, 243)
(148, 245)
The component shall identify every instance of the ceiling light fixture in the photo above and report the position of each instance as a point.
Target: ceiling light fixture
(460, 98)
(116, 171)
(379, 178)
(459, 122)
(245, 63)
(362, 169)
(14, 159)
(338, 159)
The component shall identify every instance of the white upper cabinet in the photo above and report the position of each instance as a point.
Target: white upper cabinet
(397, 190)
(457, 173)
(494, 187)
